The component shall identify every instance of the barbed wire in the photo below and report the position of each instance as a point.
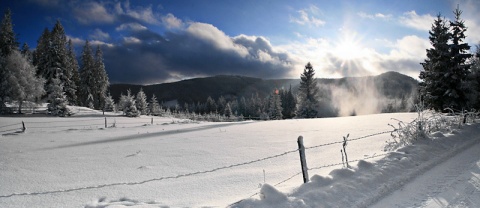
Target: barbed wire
(339, 142)
(150, 180)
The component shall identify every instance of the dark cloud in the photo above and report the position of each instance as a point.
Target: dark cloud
(199, 50)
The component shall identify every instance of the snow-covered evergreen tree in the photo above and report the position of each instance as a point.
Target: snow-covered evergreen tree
(20, 81)
(27, 53)
(109, 104)
(308, 94)
(58, 100)
(40, 55)
(141, 102)
(275, 106)
(155, 108)
(129, 107)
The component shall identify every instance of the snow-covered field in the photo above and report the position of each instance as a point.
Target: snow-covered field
(76, 162)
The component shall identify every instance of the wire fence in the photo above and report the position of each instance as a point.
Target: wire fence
(95, 122)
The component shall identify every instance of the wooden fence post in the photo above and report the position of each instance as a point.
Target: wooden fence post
(152, 121)
(105, 122)
(303, 160)
(23, 127)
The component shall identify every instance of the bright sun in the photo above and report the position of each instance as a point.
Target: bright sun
(348, 49)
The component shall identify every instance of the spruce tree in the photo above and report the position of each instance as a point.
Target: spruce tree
(73, 67)
(129, 108)
(8, 44)
(308, 94)
(109, 104)
(27, 53)
(141, 102)
(289, 104)
(458, 70)
(40, 55)
(101, 79)
(155, 108)
(87, 76)
(275, 106)
(8, 41)
(58, 100)
(432, 87)
(228, 110)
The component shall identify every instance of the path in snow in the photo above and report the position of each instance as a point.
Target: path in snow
(453, 183)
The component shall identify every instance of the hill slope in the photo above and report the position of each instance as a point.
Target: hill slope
(390, 85)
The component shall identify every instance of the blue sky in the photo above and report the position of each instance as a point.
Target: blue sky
(147, 42)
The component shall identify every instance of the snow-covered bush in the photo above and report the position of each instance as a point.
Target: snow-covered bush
(427, 123)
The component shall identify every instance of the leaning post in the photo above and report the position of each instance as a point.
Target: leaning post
(303, 159)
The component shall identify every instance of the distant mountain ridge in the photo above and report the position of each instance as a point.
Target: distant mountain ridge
(391, 85)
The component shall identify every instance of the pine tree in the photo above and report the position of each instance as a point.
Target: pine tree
(101, 79)
(40, 55)
(456, 91)
(87, 76)
(8, 41)
(275, 106)
(8, 44)
(58, 100)
(20, 81)
(141, 102)
(474, 80)
(432, 87)
(221, 103)
(155, 108)
(73, 67)
(289, 104)
(308, 94)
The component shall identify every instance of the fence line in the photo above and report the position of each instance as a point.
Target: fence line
(192, 173)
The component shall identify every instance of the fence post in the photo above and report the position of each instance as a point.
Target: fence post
(23, 127)
(303, 160)
(152, 121)
(105, 122)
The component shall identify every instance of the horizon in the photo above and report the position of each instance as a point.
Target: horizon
(153, 42)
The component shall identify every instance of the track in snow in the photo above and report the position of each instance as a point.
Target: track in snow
(452, 183)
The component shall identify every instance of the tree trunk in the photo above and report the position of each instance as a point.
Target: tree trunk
(20, 103)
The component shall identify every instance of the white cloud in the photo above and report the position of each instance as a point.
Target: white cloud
(144, 14)
(130, 40)
(80, 42)
(215, 36)
(92, 12)
(170, 21)
(419, 22)
(308, 17)
(374, 16)
(131, 26)
(100, 35)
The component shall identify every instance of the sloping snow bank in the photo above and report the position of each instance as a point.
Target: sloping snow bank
(368, 182)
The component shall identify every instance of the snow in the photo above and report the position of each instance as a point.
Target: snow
(77, 162)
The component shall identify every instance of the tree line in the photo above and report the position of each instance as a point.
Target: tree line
(451, 74)
(51, 72)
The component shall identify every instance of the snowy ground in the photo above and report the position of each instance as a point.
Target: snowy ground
(76, 162)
